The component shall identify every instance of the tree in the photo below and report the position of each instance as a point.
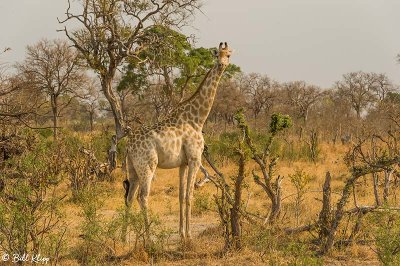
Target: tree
(383, 86)
(333, 115)
(359, 88)
(301, 97)
(387, 112)
(91, 101)
(52, 68)
(174, 68)
(260, 91)
(115, 30)
(7, 84)
(228, 100)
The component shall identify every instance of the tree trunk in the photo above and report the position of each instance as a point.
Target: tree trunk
(339, 214)
(305, 117)
(375, 178)
(116, 107)
(54, 109)
(235, 215)
(120, 127)
(91, 118)
(358, 111)
(168, 86)
(325, 214)
(388, 175)
(276, 201)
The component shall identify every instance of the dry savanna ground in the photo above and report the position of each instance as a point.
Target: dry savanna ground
(208, 242)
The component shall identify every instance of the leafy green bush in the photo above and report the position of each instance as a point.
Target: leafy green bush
(279, 122)
(387, 237)
(93, 249)
(220, 147)
(30, 216)
(223, 147)
(100, 144)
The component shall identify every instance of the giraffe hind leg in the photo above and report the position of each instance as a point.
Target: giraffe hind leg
(182, 196)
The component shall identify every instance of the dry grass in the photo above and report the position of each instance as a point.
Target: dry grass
(208, 243)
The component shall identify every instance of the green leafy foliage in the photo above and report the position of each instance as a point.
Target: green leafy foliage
(30, 205)
(279, 122)
(300, 180)
(172, 56)
(387, 237)
(93, 247)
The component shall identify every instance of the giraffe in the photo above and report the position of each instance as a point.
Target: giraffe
(174, 142)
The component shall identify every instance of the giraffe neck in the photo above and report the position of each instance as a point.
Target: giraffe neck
(195, 110)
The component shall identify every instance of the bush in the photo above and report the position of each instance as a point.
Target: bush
(220, 148)
(201, 203)
(299, 254)
(387, 237)
(30, 216)
(45, 133)
(223, 147)
(93, 248)
(279, 249)
(99, 237)
(80, 175)
(300, 181)
(100, 144)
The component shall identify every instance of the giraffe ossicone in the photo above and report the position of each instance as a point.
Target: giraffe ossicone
(174, 142)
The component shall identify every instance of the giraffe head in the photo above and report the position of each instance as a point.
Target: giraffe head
(223, 54)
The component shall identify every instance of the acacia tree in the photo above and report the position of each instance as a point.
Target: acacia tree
(52, 68)
(302, 97)
(114, 30)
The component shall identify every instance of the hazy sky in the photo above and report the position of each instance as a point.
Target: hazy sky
(312, 40)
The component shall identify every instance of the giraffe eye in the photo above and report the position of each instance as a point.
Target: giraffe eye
(229, 56)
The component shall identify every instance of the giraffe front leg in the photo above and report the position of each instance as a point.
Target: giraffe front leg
(182, 195)
(145, 176)
(193, 168)
(132, 185)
